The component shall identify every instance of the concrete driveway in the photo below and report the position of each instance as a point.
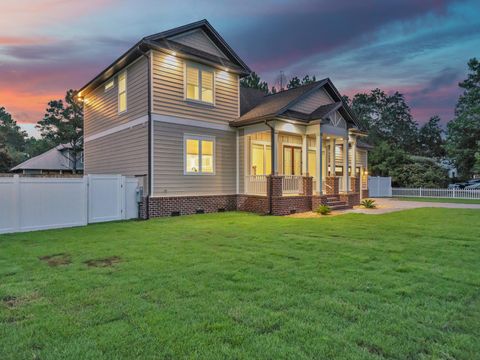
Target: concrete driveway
(391, 205)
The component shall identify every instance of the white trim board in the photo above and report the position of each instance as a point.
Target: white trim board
(117, 128)
(191, 122)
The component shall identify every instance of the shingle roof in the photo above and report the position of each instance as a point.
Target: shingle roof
(249, 98)
(272, 104)
(49, 160)
(325, 110)
(148, 42)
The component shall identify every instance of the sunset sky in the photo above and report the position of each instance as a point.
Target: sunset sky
(418, 47)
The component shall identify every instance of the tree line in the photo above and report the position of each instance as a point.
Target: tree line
(410, 153)
(61, 124)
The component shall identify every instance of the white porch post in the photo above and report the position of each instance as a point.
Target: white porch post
(332, 157)
(305, 156)
(345, 165)
(318, 154)
(354, 157)
(274, 146)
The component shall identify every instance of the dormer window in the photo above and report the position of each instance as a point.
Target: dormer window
(199, 83)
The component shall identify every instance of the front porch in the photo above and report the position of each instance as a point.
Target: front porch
(297, 157)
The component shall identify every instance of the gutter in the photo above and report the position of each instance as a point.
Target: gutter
(150, 135)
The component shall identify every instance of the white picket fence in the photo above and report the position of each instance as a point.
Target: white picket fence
(379, 186)
(36, 203)
(436, 193)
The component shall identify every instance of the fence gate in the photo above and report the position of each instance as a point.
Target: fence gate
(111, 197)
(379, 186)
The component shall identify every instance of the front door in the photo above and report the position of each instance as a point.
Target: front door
(292, 160)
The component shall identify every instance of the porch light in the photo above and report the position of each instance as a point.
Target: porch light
(226, 69)
(174, 53)
(328, 137)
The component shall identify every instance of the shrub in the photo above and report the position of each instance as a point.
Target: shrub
(323, 210)
(368, 204)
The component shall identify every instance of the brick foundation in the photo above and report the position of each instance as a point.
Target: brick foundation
(286, 205)
(186, 205)
(253, 203)
(351, 199)
(280, 205)
(364, 194)
(318, 200)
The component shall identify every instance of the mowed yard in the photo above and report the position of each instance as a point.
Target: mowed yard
(403, 285)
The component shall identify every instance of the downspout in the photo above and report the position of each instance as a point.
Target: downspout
(150, 135)
(274, 165)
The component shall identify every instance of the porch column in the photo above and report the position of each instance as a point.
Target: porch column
(318, 154)
(346, 176)
(332, 157)
(354, 157)
(305, 156)
(274, 147)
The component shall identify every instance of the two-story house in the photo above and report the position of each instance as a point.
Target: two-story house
(171, 111)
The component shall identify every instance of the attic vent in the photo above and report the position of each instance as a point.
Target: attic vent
(200, 211)
(175, 213)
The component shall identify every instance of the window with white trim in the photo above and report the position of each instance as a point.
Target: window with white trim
(109, 85)
(122, 92)
(199, 83)
(199, 154)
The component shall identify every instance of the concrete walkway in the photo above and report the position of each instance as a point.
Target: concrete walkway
(391, 205)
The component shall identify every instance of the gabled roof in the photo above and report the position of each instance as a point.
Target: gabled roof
(49, 160)
(160, 41)
(282, 105)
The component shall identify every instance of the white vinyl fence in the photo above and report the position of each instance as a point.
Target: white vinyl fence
(379, 186)
(36, 203)
(436, 193)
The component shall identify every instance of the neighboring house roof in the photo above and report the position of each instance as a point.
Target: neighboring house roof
(52, 159)
(161, 41)
(281, 104)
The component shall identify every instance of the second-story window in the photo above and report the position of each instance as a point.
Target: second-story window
(122, 92)
(199, 85)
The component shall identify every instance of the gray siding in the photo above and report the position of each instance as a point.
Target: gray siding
(199, 40)
(101, 108)
(169, 178)
(318, 98)
(124, 152)
(168, 92)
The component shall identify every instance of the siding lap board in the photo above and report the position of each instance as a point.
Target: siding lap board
(313, 101)
(101, 107)
(169, 178)
(168, 92)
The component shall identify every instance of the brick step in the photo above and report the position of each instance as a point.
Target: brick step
(336, 202)
(333, 198)
(339, 207)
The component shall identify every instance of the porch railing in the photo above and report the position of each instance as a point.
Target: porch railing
(256, 184)
(292, 184)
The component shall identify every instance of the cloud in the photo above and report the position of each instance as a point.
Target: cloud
(311, 27)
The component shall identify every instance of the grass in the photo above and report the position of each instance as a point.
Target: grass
(441, 200)
(403, 285)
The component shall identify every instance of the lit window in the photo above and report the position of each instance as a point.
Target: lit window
(122, 92)
(199, 155)
(109, 85)
(199, 84)
(261, 159)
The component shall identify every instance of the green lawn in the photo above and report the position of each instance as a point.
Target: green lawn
(403, 285)
(441, 200)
